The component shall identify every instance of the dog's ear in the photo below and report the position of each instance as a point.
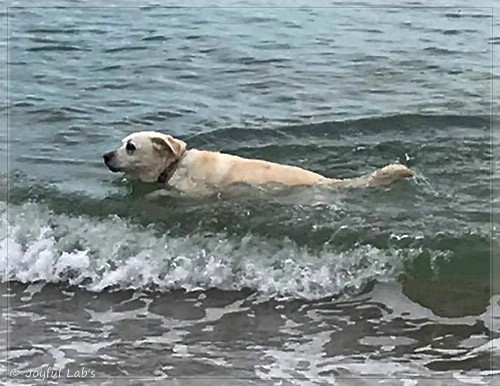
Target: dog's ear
(170, 144)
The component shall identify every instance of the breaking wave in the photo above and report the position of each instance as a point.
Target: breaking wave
(39, 245)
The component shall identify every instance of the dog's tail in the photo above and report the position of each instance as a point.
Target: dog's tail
(385, 176)
(389, 174)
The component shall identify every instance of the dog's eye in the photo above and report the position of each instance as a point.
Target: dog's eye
(130, 147)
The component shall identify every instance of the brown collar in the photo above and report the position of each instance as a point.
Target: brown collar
(169, 171)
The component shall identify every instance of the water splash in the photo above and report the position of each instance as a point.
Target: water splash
(38, 245)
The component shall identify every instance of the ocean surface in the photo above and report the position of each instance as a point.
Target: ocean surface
(297, 286)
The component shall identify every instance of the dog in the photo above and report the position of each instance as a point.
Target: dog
(157, 157)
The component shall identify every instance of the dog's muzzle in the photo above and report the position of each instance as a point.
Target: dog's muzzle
(109, 160)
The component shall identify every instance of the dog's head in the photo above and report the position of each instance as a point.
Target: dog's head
(145, 155)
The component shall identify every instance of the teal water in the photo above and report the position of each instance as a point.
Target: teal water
(310, 286)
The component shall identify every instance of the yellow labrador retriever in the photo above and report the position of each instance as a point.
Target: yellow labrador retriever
(152, 156)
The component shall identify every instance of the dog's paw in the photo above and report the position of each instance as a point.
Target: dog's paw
(390, 174)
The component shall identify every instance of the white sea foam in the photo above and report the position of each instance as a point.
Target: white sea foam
(39, 245)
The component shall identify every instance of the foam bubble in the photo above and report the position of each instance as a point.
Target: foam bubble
(113, 253)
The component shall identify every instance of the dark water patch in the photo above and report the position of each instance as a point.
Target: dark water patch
(208, 50)
(261, 85)
(154, 117)
(379, 91)
(24, 104)
(463, 14)
(194, 37)
(481, 361)
(442, 51)
(451, 32)
(73, 109)
(124, 103)
(50, 48)
(267, 61)
(125, 48)
(188, 76)
(108, 68)
(56, 31)
(286, 98)
(239, 70)
(248, 60)
(117, 86)
(156, 38)
(366, 58)
(473, 291)
(371, 30)
(17, 63)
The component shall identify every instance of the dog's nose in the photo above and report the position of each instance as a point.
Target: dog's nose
(108, 156)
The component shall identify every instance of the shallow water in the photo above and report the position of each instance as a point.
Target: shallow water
(301, 286)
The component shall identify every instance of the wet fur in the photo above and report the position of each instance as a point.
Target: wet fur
(207, 171)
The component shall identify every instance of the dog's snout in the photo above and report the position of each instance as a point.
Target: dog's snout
(108, 156)
(110, 161)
